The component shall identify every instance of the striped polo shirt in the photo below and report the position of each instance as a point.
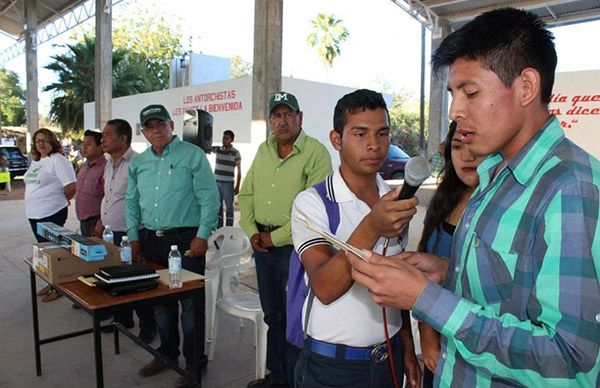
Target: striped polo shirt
(521, 305)
(225, 163)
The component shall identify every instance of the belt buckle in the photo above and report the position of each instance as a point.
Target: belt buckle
(159, 233)
(379, 353)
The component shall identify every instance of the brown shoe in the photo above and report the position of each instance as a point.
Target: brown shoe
(52, 295)
(44, 290)
(154, 367)
(183, 382)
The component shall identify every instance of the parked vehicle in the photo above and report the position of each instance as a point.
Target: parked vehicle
(393, 167)
(17, 162)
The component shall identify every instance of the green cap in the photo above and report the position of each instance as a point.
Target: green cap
(154, 112)
(284, 98)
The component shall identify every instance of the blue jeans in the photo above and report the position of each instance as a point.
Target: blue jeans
(315, 371)
(226, 194)
(271, 274)
(167, 316)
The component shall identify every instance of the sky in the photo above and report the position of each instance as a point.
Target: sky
(384, 48)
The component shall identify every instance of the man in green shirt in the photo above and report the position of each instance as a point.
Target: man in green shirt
(287, 163)
(172, 199)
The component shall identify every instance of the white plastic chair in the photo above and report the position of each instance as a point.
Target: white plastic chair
(225, 245)
(242, 304)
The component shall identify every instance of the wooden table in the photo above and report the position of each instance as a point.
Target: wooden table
(100, 305)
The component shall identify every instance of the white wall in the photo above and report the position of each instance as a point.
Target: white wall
(230, 103)
(576, 102)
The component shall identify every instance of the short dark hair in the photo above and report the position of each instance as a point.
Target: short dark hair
(507, 41)
(96, 135)
(360, 99)
(229, 132)
(122, 127)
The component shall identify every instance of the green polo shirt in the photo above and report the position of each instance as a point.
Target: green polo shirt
(173, 190)
(271, 184)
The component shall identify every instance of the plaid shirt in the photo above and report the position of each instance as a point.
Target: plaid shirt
(437, 163)
(522, 304)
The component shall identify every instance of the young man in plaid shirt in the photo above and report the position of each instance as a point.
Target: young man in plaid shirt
(520, 304)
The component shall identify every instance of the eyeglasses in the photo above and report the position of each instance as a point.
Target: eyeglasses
(159, 126)
(42, 141)
(283, 115)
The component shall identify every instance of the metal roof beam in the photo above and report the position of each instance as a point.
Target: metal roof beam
(65, 21)
(421, 13)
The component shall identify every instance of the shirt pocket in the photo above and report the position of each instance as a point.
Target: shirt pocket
(495, 269)
(180, 178)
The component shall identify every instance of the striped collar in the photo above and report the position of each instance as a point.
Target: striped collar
(338, 190)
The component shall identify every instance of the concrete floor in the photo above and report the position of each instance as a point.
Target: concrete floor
(70, 363)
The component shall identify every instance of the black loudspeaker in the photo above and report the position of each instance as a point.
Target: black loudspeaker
(198, 128)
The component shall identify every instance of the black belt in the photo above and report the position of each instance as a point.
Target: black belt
(267, 228)
(167, 232)
(376, 353)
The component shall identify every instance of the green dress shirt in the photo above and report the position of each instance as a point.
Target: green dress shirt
(173, 190)
(271, 184)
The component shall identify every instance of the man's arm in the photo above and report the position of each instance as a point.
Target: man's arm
(238, 176)
(561, 340)
(246, 202)
(133, 212)
(330, 274)
(207, 196)
(320, 166)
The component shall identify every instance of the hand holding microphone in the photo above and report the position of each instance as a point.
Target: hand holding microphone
(416, 171)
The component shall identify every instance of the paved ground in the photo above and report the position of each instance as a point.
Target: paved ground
(70, 363)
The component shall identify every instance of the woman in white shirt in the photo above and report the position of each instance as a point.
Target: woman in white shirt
(50, 183)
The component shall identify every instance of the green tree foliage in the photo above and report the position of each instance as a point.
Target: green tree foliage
(151, 43)
(327, 36)
(404, 123)
(12, 99)
(75, 85)
(239, 67)
(143, 47)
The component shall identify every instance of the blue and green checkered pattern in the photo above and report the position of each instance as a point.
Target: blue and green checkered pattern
(521, 306)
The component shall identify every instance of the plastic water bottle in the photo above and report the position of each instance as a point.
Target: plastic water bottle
(174, 268)
(125, 251)
(107, 235)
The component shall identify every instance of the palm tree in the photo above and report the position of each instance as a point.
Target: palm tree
(75, 85)
(328, 33)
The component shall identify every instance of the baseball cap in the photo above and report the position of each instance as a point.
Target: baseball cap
(154, 111)
(284, 98)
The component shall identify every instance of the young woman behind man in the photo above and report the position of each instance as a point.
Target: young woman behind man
(458, 181)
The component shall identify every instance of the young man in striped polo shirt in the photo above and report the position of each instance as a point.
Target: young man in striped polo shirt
(228, 160)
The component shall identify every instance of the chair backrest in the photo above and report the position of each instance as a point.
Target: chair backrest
(232, 255)
(230, 242)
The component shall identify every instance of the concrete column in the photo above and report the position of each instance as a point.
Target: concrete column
(438, 97)
(103, 68)
(33, 120)
(266, 69)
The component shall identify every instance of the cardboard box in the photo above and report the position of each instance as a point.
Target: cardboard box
(83, 247)
(57, 265)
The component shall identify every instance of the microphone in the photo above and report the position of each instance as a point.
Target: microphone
(416, 171)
